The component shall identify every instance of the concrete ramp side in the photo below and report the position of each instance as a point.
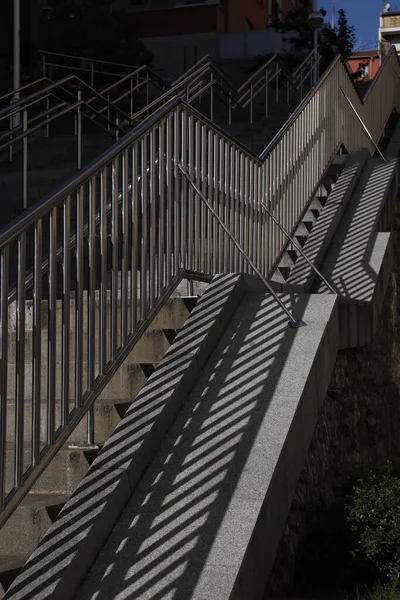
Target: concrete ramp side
(65, 554)
(207, 516)
(359, 260)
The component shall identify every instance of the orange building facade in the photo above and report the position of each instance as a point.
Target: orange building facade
(186, 17)
(365, 62)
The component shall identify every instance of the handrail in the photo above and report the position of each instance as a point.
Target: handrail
(163, 233)
(23, 87)
(94, 60)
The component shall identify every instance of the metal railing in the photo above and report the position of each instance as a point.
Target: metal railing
(77, 309)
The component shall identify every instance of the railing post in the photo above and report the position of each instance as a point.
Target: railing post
(131, 86)
(91, 74)
(47, 116)
(212, 96)
(90, 426)
(79, 130)
(117, 128)
(251, 103)
(108, 112)
(11, 136)
(147, 89)
(44, 65)
(25, 161)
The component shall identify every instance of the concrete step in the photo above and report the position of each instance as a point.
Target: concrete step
(123, 387)
(150, 348)
(171, 316)
(10, 568)
(28, 524)
(63, 474)
(106, 418)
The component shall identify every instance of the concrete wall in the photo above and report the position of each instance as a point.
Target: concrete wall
(175, 54)
(356, 433)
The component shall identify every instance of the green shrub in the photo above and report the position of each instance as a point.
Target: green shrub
(374, 514)
(381, 593)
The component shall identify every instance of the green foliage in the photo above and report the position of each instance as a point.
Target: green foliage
(374, 514)
(340, 40)
(89, 28)
(388, 592)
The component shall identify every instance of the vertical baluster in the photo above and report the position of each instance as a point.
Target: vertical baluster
(79, 317)
(103, 278)
(145, 226)
(152, 218)
(125, 246)
(20, 364)
(66, 312)
(209, 196)
(184, 191)
(4, 281)
(231, 205)
(177, 195)
(25, 161)
(196, 201)
(162, 200)
(222, 147)
(236, 266)
(91, 358)
(170, 178)
(135, 200)
(52, 330)
(190, 213)
(114, 258)
(203, 216)
(37, 343)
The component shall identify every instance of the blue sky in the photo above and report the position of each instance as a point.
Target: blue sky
(364, 15)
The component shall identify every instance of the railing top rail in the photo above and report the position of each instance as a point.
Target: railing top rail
(23, 87)
(274, 142)
(43, 93)
(196, 66)
(93, 60)
(305, 61)
(40, 209)
(377, 76)
(254, 75)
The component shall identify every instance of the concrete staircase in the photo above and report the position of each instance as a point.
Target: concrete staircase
(24, 530)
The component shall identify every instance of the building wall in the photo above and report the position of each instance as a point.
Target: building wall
(372, 60)
(247, 14)
(179, 21)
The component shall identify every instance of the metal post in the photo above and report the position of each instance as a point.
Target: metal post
(296, 323)
(79, 130)
(131, 80)
(91, 74)
(108, 112)
(315, 56)
(117, 128)
(251, 103)
(25, 162)
(212, 96)
(11, 136)
(44, 65)
(47, 115)
(90, 426)
(16, 75)
(147, 89)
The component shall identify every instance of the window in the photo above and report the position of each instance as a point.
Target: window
(363, 70)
